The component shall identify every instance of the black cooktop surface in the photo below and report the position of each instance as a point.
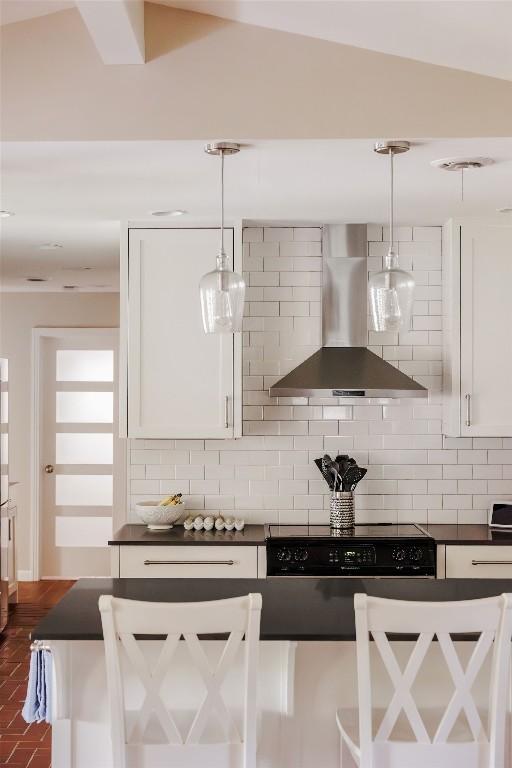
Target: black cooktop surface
(376, 531)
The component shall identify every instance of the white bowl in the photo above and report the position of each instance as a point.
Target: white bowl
(159, 518)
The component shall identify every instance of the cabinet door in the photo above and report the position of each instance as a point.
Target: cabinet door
(180, 380)
(486, 339)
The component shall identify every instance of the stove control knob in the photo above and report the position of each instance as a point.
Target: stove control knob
(416, 554)
(284, 555)
(300, 555)
(399, 554)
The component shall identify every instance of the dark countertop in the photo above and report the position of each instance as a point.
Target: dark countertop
(293, 608)
(254, 535)
(137, 533)
(468, 534)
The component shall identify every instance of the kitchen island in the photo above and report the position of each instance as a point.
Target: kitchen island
(307, 659)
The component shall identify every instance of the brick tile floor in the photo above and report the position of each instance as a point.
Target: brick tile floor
(22, 745)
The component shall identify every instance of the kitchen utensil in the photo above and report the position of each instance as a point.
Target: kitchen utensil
(352, 477)
(327, 475)
(346, 463)
(332, 466)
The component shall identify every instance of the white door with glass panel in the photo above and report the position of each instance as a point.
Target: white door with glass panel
(81, 478)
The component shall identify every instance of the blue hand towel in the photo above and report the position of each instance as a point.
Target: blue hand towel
(37, 707)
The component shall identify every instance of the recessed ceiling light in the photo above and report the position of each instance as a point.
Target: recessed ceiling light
(504, 210)
(36, 279)
(461, 163)
(50, 246)
(6, 214)
(176, 212)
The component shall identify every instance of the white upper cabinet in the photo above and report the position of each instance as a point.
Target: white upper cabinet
(178, 381)
(477, 262)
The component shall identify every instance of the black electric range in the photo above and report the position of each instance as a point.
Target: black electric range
(365, 550)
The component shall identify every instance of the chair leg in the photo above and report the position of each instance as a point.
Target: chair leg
(346, 759)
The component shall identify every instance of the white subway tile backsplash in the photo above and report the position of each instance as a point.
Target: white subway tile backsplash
(234, 487)
(499, 457)
(137, 471)
(472, 457)
(189, 472)
(278, 234)
(307, 264)
(458, 471)
(442, 457)
(252, 263)
(414, 473)
(252, 235)
(374, 232)
(442, 486)
(294, 308)
(305, 279)
(309, 234)
(160, 471)
(301, 249)
(173, 486)
(488, 471)
(473, 486)
(457, 501)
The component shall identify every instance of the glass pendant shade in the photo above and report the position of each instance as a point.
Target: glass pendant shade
(222, 291)
(222, 299)
(391, 291)
(391, 294)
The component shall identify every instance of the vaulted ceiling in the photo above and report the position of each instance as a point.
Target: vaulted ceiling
(471, 35)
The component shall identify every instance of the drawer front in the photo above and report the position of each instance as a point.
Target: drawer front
(492, 562)
(188, 562)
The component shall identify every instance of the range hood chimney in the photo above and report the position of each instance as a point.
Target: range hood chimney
(344, 367)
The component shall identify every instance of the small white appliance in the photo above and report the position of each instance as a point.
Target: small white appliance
(500, 514)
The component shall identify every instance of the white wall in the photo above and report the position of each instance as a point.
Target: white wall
(19, 313)
(414, 473)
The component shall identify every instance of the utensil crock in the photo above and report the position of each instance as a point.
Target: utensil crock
(342, 513)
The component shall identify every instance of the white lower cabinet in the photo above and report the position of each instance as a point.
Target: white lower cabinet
(479, 562)
(188, 562)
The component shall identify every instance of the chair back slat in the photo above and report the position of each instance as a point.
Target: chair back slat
(124, 621)
(490, 619)
(402, 698)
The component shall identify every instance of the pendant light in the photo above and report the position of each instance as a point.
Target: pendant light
(391, 291)
(222, 290)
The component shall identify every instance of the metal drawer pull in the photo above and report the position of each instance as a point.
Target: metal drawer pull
(190, 562)
(491, 562)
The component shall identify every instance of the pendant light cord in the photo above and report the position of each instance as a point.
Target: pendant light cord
(391, 206)
(222, 254)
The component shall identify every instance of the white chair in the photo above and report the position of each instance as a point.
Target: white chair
(122, 621)
(372, 738)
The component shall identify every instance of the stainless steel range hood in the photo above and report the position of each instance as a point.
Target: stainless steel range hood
(343, 367)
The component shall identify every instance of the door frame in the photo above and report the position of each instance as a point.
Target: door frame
(38, 335)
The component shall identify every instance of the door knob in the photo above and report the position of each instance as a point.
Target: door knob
(49, 469)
